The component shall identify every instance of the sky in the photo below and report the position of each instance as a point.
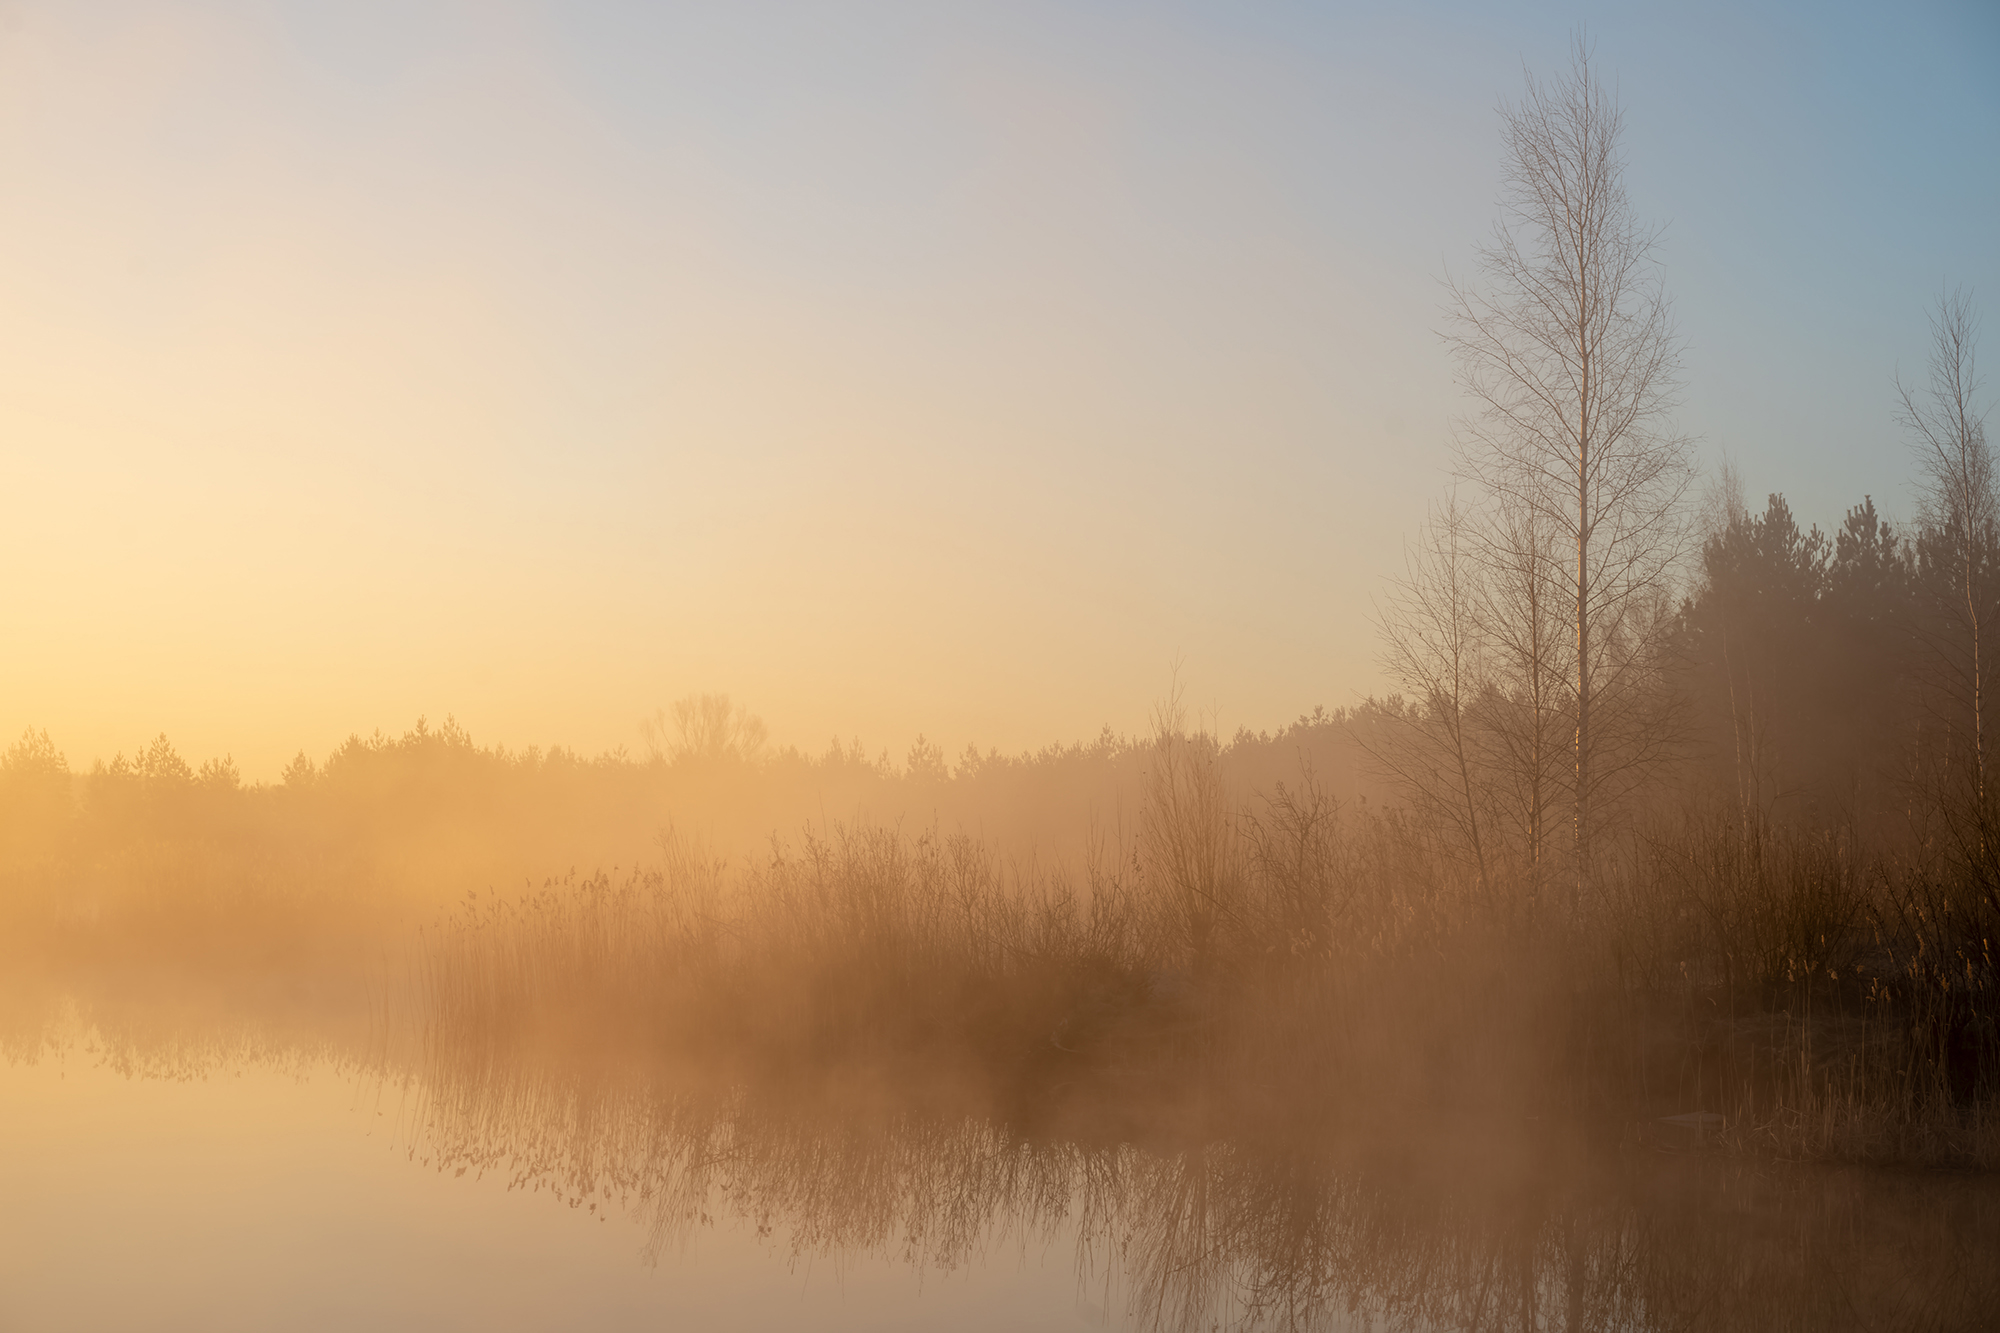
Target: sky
(962, 370)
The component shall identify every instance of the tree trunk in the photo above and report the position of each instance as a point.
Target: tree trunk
(1582, 830)
(1978, 721)
(1583, 526)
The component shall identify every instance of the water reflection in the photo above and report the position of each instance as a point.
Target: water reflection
(1177, 1222)
(1291, 1230)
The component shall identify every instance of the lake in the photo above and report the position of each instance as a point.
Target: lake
(222, 1186)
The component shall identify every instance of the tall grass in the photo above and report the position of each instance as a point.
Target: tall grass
(1247, 949)
(1244, 964)
(1277, 1065)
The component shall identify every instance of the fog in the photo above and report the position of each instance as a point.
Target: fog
(1615, 953)
(1228, 1047)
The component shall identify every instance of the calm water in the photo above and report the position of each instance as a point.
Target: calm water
(267, 1199)
(222, 1192)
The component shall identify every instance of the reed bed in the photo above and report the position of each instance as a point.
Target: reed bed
(1248, 970)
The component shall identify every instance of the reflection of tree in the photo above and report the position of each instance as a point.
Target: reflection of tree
(1209, 1233)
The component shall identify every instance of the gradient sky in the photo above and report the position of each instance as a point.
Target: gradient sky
(896, 368)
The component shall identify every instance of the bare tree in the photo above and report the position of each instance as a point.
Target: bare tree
(1523, 708)
(1432, 650)
(1187, 836)
(1958, 510)
(705, 727)
(1724, 511)
(1569, 351)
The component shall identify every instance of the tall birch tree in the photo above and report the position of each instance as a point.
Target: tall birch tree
(1959, 532)
(1567, 346)
(1432, 644)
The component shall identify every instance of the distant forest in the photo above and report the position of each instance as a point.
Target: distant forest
(1814, 680)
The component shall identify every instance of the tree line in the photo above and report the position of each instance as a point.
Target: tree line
(1574, 640)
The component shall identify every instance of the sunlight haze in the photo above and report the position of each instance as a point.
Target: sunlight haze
(897, 369)
(1153, 666)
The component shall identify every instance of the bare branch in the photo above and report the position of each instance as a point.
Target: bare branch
(1568, 351)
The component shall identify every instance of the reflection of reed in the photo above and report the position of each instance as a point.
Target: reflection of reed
(888, 1045)
(1251, 1233)
(182, 1037)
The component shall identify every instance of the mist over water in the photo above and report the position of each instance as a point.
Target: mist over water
(1257, 1058)
(226, 1188)
(1619, 957)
